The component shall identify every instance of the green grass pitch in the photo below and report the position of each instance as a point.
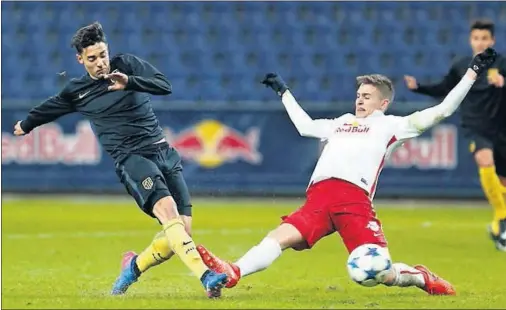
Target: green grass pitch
(60, 253)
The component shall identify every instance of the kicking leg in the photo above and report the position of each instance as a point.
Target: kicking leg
(182, 244)
(159, 250)
(145, 182)
(133, 264)
(175, 239)
(156, 253)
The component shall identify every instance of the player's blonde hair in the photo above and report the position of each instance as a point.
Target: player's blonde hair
(381, 82)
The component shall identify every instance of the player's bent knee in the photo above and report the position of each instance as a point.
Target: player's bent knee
(165, 209)
(484, 158)
(286, 235)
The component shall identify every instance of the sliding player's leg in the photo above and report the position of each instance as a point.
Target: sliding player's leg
(257, 258)
(300, 231)
(145, 182)
(360, 229)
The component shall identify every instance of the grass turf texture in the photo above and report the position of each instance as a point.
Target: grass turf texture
(66, 254)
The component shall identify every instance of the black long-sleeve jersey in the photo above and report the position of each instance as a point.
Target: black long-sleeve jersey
(484, 108)
(123, 121)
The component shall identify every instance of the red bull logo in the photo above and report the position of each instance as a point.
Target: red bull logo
(438, 151)
(354, 127)
(211, 143)
(48, 144)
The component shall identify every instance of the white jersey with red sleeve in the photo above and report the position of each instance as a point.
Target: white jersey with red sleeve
(357, 148)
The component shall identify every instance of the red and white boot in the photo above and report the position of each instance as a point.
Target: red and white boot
(220, 266)
(434, 285)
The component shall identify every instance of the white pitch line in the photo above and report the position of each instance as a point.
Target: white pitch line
(103, 234)
(220, 232)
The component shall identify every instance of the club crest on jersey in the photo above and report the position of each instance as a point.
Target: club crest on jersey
(147, 183)
(353, 127)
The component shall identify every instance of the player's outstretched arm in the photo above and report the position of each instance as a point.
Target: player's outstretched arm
(306, 126)
(44, 113)
(436, 90)
(144, 77)
(427, 118)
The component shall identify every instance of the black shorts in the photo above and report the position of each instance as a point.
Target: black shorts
(500, 158)
(155, 174)
(497, 145)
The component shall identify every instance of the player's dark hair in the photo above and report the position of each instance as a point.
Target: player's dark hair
(483, 24)
(87, 36)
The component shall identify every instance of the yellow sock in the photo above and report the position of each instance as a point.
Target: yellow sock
(493, 191)
(182, 244)
(503, 188)
(155, 254)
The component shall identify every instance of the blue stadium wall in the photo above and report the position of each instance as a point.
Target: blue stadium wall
(229, 151)
(232, 132)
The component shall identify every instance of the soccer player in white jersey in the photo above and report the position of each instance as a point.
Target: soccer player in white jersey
(339, 196)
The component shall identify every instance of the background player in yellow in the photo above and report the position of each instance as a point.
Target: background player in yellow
(482, 119)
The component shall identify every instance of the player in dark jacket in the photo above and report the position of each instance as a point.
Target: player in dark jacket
(114, 96)
(483, 120)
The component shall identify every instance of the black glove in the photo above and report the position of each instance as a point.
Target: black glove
(483, 61)
(275, 82)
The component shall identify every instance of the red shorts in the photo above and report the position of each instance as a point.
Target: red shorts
(336, 205)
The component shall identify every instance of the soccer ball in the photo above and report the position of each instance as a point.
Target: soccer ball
(368, 263)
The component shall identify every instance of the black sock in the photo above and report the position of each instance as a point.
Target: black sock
(204, 275)
(136, 268)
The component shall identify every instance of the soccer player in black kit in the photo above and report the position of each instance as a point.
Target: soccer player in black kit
(113, 96)
(483, 120)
